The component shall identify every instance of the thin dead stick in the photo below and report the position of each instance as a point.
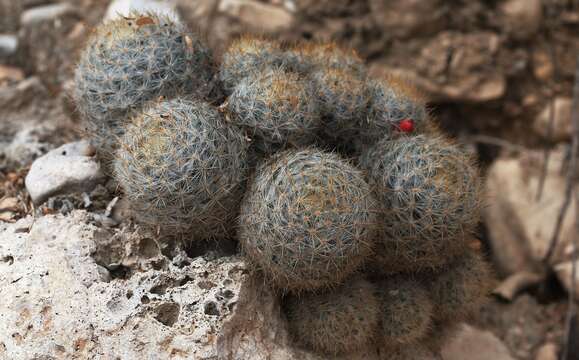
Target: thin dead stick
(571, 344)
(485, 139)
(571, 319)
(571, 171)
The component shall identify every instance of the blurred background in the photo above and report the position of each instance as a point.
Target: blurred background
(499, 75)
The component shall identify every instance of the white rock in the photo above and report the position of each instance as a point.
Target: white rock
(520, 227)
(69, 168)
(258, 15)
(8, 45)
(562, 126)
(119, 8)
(45, 13)
(474, 344)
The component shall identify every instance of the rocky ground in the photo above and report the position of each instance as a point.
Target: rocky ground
(78, 280)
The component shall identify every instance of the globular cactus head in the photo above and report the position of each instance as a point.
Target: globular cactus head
(307, 220)
(130, 61)
(461, 289)
(395, 108)
(329, 56)
(248, 56)
(276, 108)
(430, 195)
(182, 168)
(405, 310)
(343, 100)
(335, 322)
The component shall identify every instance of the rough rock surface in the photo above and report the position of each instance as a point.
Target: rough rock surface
(69, 168)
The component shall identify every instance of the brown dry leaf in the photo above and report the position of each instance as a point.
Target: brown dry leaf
(9, 204)
(11, 73)
(145, 21)
(7, 216)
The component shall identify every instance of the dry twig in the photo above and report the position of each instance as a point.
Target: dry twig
(485, 139)
(571, 345)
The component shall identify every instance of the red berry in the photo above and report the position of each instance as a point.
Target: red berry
(406, 125)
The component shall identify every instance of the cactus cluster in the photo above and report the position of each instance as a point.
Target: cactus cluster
(343, 196)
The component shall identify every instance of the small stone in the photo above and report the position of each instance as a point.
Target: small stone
(69, 168)
(562, 126)
(259, 16)
(522, 18)
(542, 65)
(8, 45)
(474, 344)
(46, 13)
(406, 18)
(123, 8)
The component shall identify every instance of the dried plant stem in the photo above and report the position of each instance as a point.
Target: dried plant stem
(571, 344)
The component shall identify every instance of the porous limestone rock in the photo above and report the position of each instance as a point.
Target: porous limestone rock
(57, 302)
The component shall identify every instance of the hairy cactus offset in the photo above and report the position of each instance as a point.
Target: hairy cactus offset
(459, 291)
(328, 56)
(307, 220)
(405, 310)
(130, 61)
(343, 100)
(403, 352)
(182, 167)
(248, 56)
(277, 108)
(335, 322)
(395, 107)
(430, 195)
